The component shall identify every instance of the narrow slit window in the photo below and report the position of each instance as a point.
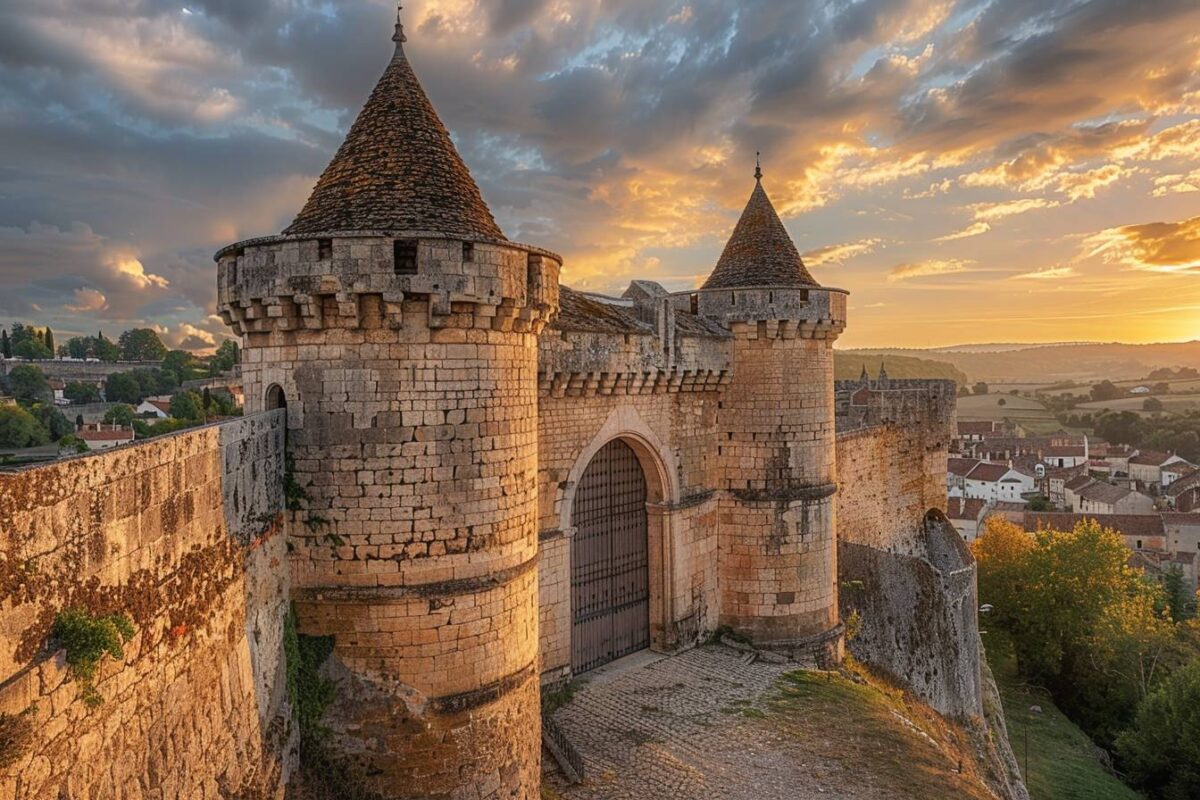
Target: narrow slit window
(468, 252)
(324, 249)
(404, 254)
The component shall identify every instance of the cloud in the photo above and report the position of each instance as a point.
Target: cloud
(622, 134)
(994, 211)
(87, 300)
(975, 229)
(1047, 274)
(840, 253)
(1177, 184)
(1154, 246)
(923, 269)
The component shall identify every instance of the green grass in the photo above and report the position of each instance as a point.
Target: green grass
(1029, 412)
(1063, 762)
(1172, 403)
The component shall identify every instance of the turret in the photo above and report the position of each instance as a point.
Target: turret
(778, 564)
(399, 326)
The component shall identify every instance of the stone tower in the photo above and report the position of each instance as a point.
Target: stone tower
(777, 549)
(399, 326)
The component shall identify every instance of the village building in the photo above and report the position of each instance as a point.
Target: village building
(1184, 493)
(156, 407)
(1147, 469)
(100, 436)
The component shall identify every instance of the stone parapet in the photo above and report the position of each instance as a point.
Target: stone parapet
(288, 283)
(773, 312)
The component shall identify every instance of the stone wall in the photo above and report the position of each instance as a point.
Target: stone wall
(182, 535)
(78, 370)
(903, 568)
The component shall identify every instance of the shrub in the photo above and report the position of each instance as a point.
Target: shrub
(86, 639)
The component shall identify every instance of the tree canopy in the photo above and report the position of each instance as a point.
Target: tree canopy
(141, 344)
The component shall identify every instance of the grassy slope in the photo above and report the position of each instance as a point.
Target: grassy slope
(1063, 763)
(897, 747)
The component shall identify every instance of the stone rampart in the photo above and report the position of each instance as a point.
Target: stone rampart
(78, 370)
(903, 570)
(182, 535)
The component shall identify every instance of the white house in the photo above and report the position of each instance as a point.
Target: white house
(154, 407)
(102, 437)
(998, 482)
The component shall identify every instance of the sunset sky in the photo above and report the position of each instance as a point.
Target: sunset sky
(972, 171)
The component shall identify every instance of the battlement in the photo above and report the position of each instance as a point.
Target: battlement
(362, 280)
(780, 312)
(865, 403)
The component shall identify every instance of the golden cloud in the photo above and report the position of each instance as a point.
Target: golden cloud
(1048, 274)
(840, 253)
(922, 269)
(975, 229)
(994, 211)
(1154, 246)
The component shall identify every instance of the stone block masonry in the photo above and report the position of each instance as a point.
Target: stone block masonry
(182, 534)
(412, 406)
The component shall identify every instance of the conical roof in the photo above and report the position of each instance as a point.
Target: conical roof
(397, 170)
(760, 252)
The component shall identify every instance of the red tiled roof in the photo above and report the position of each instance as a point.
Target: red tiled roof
(1150, 458)
(961, 466)
(1126, 524)
(1078, 482)
(1180, 518)
(965, 508)
(974, 428)
(1100, 492)
(988, 472)
(105, 436)
(1065, 452)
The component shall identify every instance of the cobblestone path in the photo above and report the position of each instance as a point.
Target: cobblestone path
(687, 726)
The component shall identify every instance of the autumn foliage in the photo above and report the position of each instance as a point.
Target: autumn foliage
(1093, 630)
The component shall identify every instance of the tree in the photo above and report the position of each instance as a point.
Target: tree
(141, 344)
(1106, 390)
(48, 340)
(1001, 402)
(52, 420)
(226, 357)
(5, 344)
(104, 349)
(187, 406)
(182, 365)
(1161, 752)
(122, 387)
(1039, 504)
(1125, 427)
(32, 349)
(80, 392)
(1181, 600)
(981, 388)
(120, 415)
(1083, 622)
(964, 391)
(29, 385)
(1152, 404)
(1161, 388)
(19, 428)
(78, 422)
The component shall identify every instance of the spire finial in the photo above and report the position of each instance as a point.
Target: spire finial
(758, 166)
(398, 37)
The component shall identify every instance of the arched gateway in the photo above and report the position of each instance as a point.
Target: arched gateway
(610, 580)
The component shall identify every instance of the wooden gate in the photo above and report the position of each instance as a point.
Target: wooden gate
(610, 581)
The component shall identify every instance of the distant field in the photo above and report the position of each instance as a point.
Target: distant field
(1027, 411)
(1172, 403)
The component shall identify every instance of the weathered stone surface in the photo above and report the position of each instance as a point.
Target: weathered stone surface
(182, 534)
